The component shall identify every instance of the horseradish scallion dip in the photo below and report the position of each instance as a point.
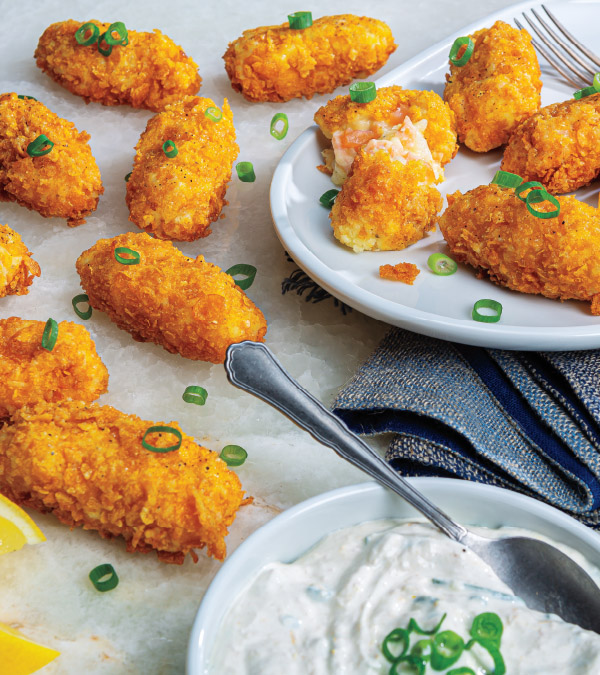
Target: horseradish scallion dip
(329, 611)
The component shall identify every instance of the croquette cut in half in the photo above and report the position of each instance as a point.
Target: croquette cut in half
(86, 464)
(186, 305)
(178, 197)
(45, 163)
(17, 267)
(150, 71)
(279, 63)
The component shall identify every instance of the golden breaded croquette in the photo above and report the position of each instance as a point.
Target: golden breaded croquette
(86, 464)
(408, 123)
(496, 89)
(30, 374)
(559, 146)
(492, 230)
(17, 267)
(278, 63)
(65, 182)
(385, 204)
(149, 72)
(179, 197)
(186, 305)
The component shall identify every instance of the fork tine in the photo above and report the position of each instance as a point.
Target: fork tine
(570, 37)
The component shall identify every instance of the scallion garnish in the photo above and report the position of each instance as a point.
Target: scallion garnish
(463, 670)
(121, 38)
(82, 31)
(413, 627)
(245, 172)
(487, 626)
(233, 455)
(530, 185)
(588, 91)
(328, 198)
(505, 179)
(85, 315)
(102, 584)
(128, 176)
(50, 335)
(395, 644)
(416, 663)
(300, 20)
(213, 113)
(105, 51)
(193, 394)
(279, 134)
(170, 149)
(486, 303)
(248, 271)
(441, 264)
(133, 260)
(422, 649)
(538, 196)
(40, 147)
(456, 47)
(162, 430)
(25, 97)
(363, 92)
(446, 649)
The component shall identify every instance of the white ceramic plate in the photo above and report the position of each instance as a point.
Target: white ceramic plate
(436, 306)
(293, 532)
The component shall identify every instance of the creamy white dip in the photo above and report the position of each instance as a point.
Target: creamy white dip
(329, 611)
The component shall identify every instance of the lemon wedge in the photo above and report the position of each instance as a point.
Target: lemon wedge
(16, 528)
(21, 656)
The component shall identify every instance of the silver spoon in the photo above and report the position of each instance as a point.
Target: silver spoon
(546, 579)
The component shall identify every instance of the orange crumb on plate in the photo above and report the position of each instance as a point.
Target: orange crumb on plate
(405, 272)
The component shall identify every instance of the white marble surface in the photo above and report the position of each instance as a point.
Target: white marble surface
(143, 625)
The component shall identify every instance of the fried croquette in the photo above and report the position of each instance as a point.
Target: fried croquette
(496, 89)
(385, 204)
(17, 267)
(407, 123)
(65, 182)
(186, 305)
(277, 63)
(404, 272)
(149, 72)
(179, 197)
(559, 146)
(86, 464)
(30, 374)
(492, 230)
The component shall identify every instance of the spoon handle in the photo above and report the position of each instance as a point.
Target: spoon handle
(251, 366)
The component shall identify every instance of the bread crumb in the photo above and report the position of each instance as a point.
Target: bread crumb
(405, 272)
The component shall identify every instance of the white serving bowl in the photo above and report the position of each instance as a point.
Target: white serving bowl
(296, 530)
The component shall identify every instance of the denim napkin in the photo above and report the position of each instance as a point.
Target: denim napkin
(529, 421)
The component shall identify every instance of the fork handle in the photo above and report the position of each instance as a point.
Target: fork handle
(251, 366)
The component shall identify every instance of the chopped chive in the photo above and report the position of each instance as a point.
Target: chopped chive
(82, 31)
(233, 455)
(82, 298)
(505, 179)
(213, 113)
(530, 185)
(245, 172)
(122, 37)
(120, 250)
(486, 303)
(279, 134)
(40, 147)
(98, 574)
(328, 198)
(193, 394)
(363, 92)
(25, 96)
(441, 264)
(300, 20)
(105, 51)
(128, 176)
(249, 271)
(456, 47)
(50, 335)
(170, 149)
(162, 430)
(537, 196)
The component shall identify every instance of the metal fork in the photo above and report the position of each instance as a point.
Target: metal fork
(555, 49)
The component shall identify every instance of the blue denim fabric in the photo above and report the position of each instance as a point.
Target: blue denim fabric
(529, 421)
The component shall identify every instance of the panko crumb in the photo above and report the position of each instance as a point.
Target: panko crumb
(595, 308)
(404, 272)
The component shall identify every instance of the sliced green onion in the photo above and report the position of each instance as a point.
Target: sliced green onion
(245, 172)
(587, 91)
(446, 649)
(249, 271)
(456, 45)
(392, 642)
(487, 626)
(413, 627)
(363, 92)
(162, 430)
(170, 149)
(128, 176)
(233, 455)
(82, 298)
(81, 33)
(417, 665)
(461, 671)
(486, 303)
(328, 198)
(441, 264)
(50, 335)
(279, 134)
(530, 185)
(300, 20)
(105, 51)
(493, 651)
(537, 196)
(193, 394)
(40, 147)
(97, 575)
(422, 649)
(122, 37)
(505, 179)
(25, 96)
(134, 260)
(213, 113)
